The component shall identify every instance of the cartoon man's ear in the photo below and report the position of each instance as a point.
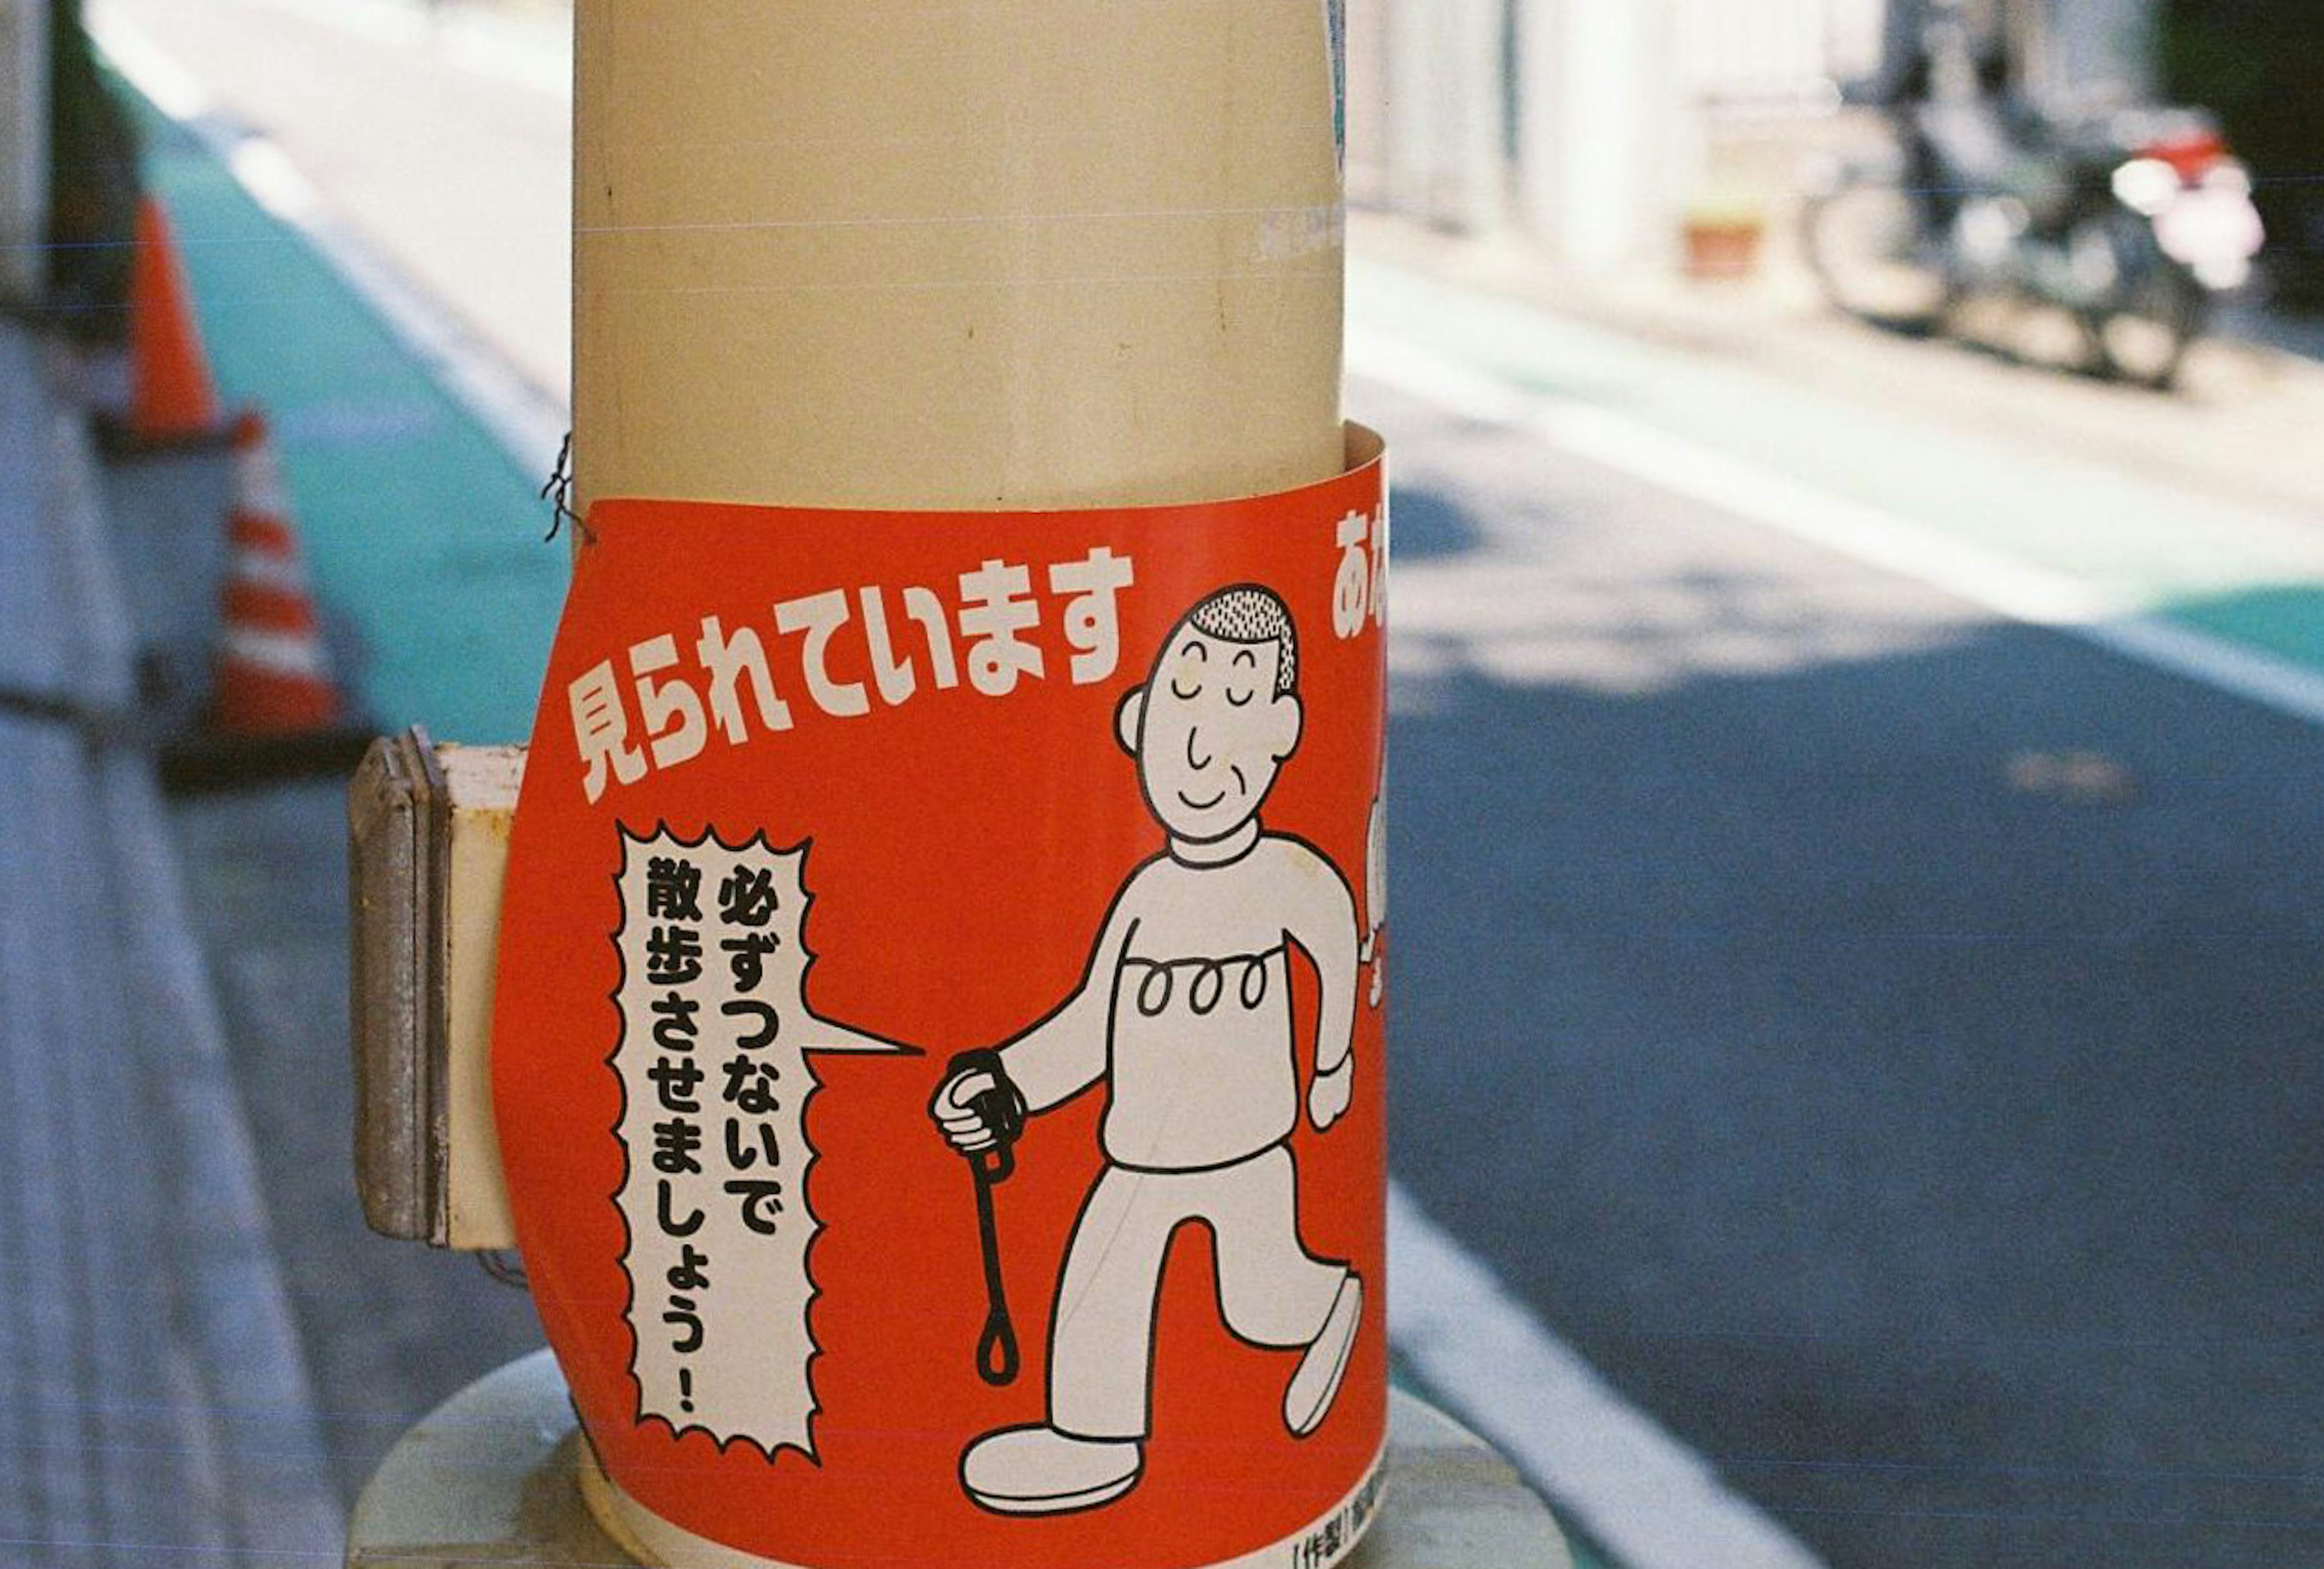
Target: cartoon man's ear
(1129, 719)
(1287, 721)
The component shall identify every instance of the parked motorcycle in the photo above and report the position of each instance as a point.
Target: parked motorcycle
(2131, 222)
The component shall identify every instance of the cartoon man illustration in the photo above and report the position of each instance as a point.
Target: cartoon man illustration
(1185, 1012)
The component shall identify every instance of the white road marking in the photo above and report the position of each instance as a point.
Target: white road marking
(529, 423)
(1740, 488)
(167, 85)
(1646, 1497)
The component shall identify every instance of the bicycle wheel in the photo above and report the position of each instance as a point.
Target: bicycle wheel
(1865, 242)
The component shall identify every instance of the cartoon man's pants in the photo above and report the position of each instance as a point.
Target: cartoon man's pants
(1272, 1292)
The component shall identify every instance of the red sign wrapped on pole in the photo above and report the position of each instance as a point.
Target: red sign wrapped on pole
(939, 1053)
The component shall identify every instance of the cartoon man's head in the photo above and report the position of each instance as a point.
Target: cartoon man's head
(1218, 716)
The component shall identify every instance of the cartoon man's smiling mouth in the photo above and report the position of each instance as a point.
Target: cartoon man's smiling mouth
(1193, 805)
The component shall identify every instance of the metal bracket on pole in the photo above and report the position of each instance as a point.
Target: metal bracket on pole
(428, 840)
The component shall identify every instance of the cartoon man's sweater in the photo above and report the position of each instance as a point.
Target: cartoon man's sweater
(1186, 1007)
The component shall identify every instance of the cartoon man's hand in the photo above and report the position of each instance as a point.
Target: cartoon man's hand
(964, 1127)
(1328, 1096)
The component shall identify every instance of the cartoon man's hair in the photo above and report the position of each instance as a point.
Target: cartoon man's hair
(1248, 613)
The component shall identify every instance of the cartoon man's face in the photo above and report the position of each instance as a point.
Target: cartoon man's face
(1209, 730)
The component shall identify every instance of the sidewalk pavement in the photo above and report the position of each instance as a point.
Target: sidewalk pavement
(424, 539)
(2205, 509)
(161, 1407)
(2233, 429)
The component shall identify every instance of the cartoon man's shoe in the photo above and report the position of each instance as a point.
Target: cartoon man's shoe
(1039, 1470)
(1315, 1382)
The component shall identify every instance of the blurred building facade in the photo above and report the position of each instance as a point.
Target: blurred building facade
(1593, 128)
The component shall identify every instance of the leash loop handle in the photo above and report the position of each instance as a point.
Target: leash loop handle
(1002, 1109)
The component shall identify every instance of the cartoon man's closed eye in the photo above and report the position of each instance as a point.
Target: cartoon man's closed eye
(1185, 1012)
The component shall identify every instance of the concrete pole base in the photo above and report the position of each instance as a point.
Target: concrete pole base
(493, 1476)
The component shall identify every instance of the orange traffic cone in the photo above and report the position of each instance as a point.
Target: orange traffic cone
(171, 396)
(274, 676)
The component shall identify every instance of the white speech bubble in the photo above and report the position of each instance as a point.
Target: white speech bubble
(712, 1061)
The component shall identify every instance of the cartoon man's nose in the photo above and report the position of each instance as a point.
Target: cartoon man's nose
(1193, 762)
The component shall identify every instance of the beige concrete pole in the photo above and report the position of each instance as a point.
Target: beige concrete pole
(928, 253)
(956, 253)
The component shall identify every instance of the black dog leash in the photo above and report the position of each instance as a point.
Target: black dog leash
(1002, 1108)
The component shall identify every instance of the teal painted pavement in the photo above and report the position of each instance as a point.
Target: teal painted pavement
(423, 537)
